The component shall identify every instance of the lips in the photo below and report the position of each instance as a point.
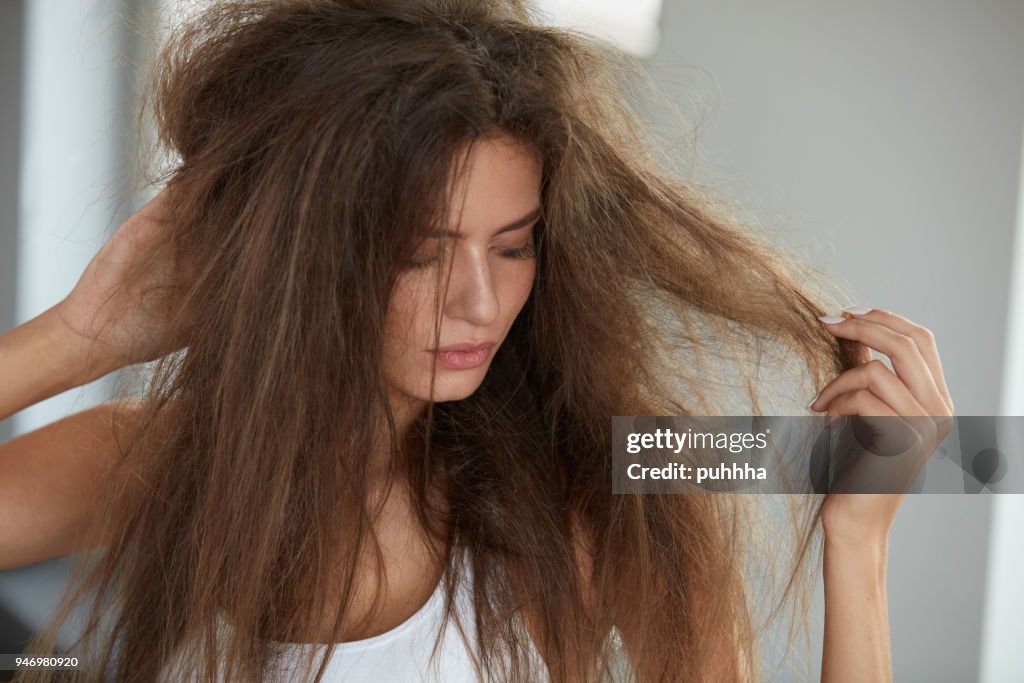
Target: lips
(466, 347)
(464, 356)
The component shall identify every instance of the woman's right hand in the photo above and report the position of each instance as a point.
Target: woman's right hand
(124, 302)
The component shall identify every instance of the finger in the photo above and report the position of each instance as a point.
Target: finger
(875, 377)
(922, 336)
(907, 361)
(859, 401)
(865, 403)
(863, 352)
(906, 445)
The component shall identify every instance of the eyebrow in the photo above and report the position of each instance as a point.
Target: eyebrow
(514, 225)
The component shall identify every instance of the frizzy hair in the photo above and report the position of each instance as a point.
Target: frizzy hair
(312, 141)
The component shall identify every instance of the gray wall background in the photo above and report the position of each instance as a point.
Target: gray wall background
(12, 631)
(885, 137)
(11, 17)
(70, 72)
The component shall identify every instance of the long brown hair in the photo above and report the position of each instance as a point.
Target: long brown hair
(312, 140)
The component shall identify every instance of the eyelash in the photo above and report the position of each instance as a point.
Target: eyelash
(526, 252)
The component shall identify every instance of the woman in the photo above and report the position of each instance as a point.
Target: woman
(360, 191)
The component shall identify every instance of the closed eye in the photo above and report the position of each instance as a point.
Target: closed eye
(527, 251)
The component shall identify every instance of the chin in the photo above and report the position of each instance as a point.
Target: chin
(452, 395)
(449, 389)
(458, 397)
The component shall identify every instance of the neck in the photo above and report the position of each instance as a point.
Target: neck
(405, 410)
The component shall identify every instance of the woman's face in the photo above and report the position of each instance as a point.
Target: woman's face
(493, 265)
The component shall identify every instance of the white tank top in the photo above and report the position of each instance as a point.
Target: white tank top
(401, 655)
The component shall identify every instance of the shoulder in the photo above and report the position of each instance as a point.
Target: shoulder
(128, 415)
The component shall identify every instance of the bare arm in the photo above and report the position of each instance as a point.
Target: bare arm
(123, 310)
(856, 525)
(39, 359)
(50, 476)
(51, 483)
(856, 640)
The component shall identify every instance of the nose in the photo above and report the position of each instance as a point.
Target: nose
(471, 293)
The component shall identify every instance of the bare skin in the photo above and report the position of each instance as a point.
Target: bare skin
(856, 646)
(50, 354)
(104, 320)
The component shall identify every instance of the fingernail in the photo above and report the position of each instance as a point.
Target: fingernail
(830, 319)
(814, 399)
(858, 310)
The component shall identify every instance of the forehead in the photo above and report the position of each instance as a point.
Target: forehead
(516, 224)
(498, 190)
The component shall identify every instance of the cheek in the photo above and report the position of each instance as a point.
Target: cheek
(408, 314)
(520, 287)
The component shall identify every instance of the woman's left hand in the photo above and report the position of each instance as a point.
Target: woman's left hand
(914, 388)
